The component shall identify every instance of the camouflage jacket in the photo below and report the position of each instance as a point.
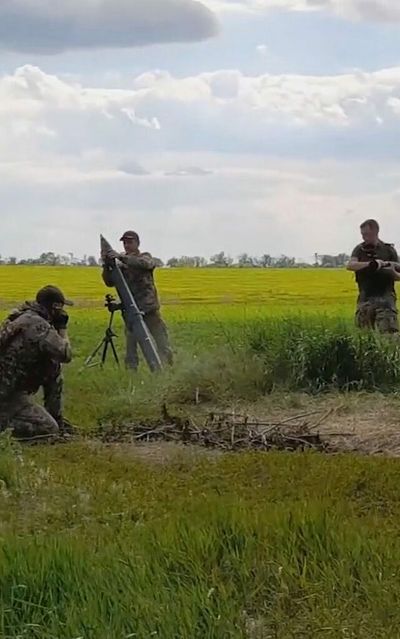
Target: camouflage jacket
(139, 274)
(30, 347)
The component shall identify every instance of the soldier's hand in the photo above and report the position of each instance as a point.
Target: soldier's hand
(373, 265)
(60, 321)
(391, 268)
(113, 255)
(394, 265)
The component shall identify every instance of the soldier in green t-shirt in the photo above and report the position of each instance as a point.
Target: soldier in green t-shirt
(376, 267)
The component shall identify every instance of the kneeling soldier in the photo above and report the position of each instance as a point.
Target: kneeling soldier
(33, 346)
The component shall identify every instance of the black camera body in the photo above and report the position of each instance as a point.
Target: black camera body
(370, 251)
(111, 304)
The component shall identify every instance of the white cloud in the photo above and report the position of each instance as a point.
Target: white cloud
(222, 153)
(245, 204)
(153, 123)
(373, 10)
(52, 26)
(329, 116)
(189, 171)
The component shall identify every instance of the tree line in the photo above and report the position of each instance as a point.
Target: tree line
(219, 260)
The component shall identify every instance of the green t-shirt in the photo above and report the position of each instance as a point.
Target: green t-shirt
(375, 283)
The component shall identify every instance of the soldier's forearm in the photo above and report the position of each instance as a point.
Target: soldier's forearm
(357, 266)
(68, 351)
(396, 265)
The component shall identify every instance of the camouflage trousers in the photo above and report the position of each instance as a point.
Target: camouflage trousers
(159, 332)
(27, 419)
(378, 313)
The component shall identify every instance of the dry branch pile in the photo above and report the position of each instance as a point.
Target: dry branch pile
(228, 431)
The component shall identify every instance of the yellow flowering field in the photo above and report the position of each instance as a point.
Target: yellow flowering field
(198, 292)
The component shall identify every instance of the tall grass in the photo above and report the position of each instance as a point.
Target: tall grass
(219, 573)
(104, 546)
(218, 362)
(319, 354)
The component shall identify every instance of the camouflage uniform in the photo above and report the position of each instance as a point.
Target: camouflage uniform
(138, 270)
(31, 353)
(376, 304)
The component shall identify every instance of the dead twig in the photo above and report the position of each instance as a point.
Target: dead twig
(230, 432)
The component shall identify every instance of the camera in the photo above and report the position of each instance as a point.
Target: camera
(111, 304)
(370, 251)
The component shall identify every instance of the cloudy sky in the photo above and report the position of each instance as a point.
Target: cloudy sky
(260, 126)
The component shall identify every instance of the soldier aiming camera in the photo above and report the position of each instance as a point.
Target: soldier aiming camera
(138, 270)
(376, 267)
(33, 345)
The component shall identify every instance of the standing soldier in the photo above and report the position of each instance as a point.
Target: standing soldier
(33, 345)
(375, 265)
(138, 269)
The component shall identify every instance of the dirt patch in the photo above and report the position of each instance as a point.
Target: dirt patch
(371, 432)
(359, 423)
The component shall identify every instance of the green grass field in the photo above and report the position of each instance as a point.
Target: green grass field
(111, 542)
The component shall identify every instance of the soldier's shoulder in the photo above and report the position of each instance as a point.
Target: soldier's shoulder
(32, 317)
(391, 248)
(359, 248)
(34, 324)
(146, 254)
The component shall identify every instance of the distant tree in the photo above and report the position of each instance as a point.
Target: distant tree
(245, 260)
(333, 261)
(265, 261)
(342, 259)
(326, 261)
(186, 261)
(92, 261)
(220, 259)
(284, 262)
(199, 262)
(49, 259)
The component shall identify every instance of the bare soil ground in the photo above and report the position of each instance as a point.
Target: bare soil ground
(366, 423)
(360, 423)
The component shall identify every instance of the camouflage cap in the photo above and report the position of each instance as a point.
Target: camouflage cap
(129, 235)
(49, 295)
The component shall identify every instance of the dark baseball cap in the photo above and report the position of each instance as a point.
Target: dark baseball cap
(129, 235)
(49, 295)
